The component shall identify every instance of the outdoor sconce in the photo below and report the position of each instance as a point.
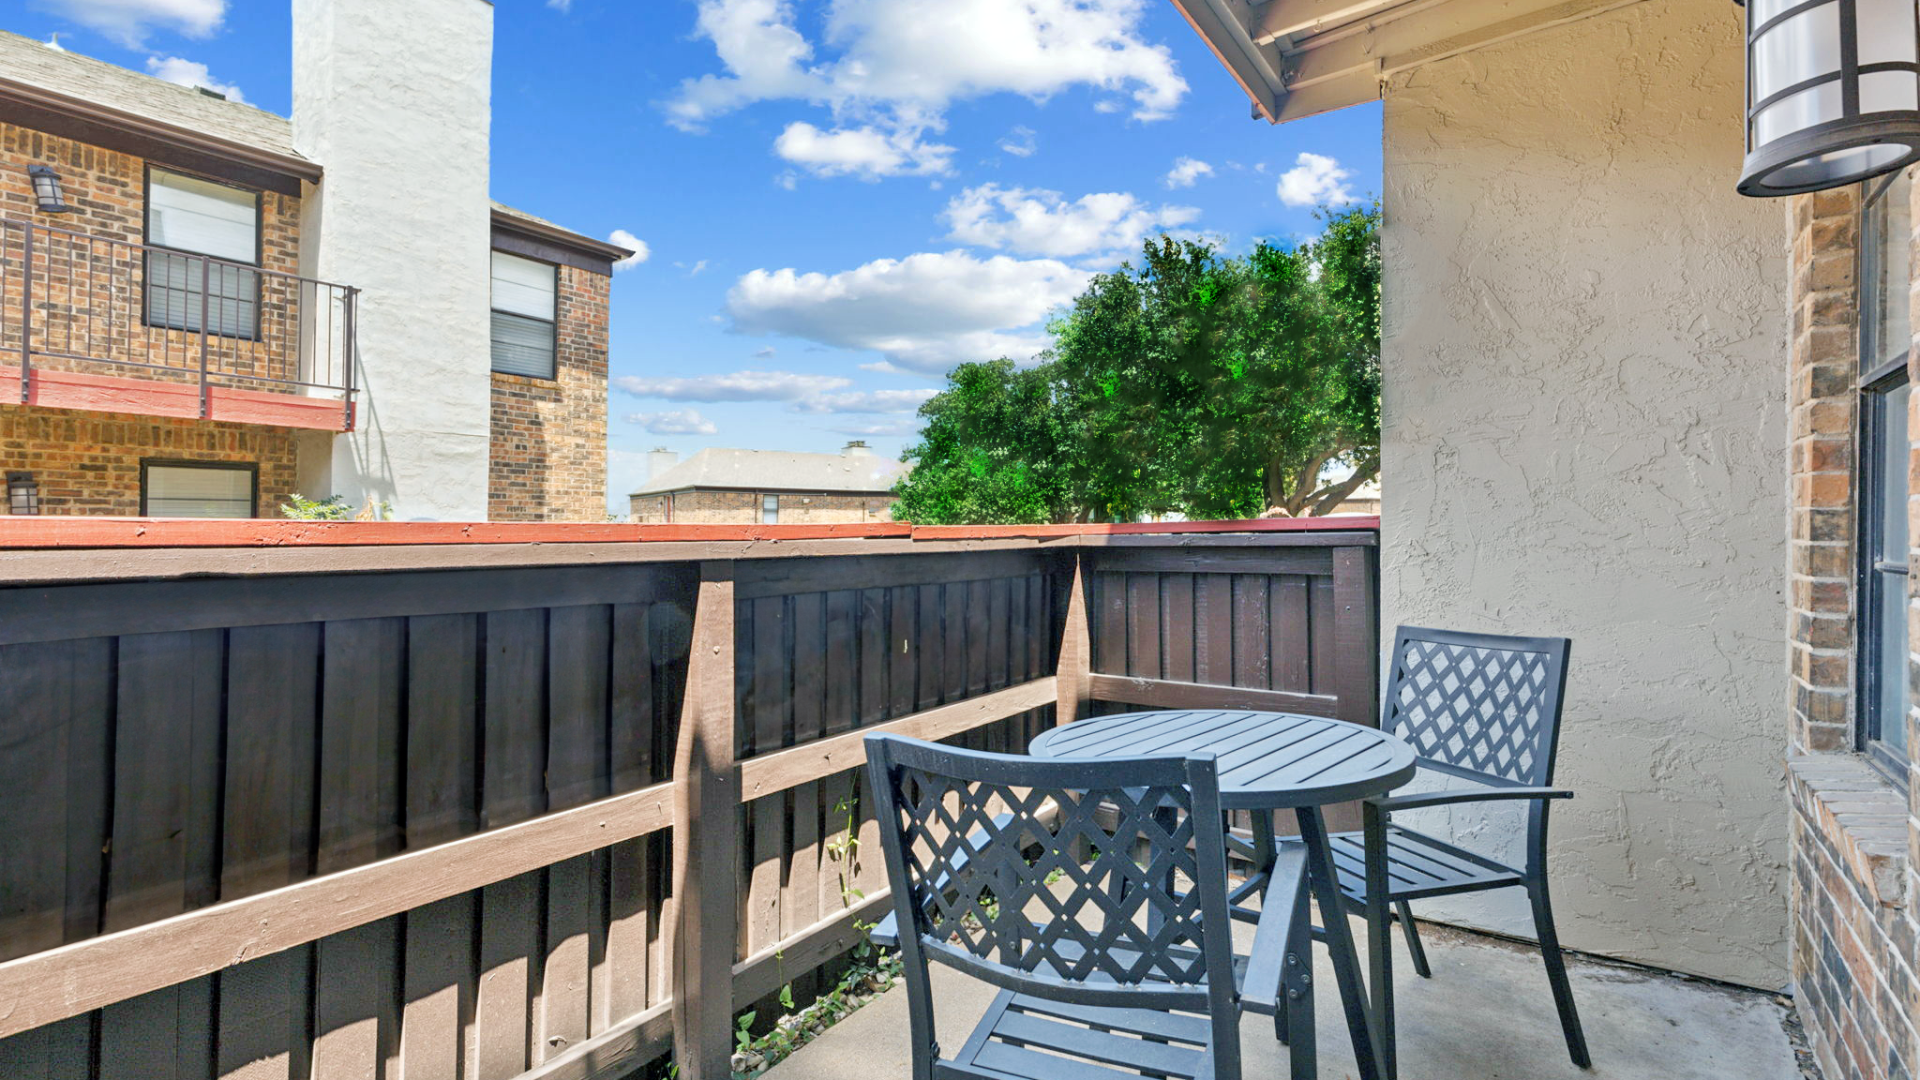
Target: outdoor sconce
(46, 190)
(23, 495)
(1833, 93)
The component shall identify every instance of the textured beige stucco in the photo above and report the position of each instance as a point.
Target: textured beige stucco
(1585, 435)
(393, 99)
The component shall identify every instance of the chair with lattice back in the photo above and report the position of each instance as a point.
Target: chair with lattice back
(1483, 708)
(1093, 893)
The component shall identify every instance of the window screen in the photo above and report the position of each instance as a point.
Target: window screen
(523, 316)
(200, 217)
(198, 491)
(770, 510)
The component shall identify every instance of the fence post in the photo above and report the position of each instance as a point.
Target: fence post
(1076, 650)
(705, 839)
(1356, 633)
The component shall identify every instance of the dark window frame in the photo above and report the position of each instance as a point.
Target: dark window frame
(146, 262)
(1873, 576)
(553, 325)
(252, 468)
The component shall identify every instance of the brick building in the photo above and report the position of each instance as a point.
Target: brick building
(768, 487)
(206, 309)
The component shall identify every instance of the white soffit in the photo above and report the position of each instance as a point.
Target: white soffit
(1297, 58)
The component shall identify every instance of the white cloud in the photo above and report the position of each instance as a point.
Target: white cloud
(925, 312)
(895, 68)
(641, 252)
(763, 353)
(882, 428)
(1037, 222)
(734, 386)
(1187, 170)
(562, 6)
(867, 152)
(866, 401)
(674, 422)
(129, 21)
(1314, 180)
(190, 73)
(1020, 142)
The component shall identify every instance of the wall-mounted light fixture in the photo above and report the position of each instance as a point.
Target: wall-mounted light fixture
(46, 190)
(23, 495)
(1833, 93)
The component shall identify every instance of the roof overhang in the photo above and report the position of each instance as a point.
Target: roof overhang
(1298, 58)
(130, 133)
(536, 239)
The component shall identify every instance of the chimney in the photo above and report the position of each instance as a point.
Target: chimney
(659, 460)
(393, 99)
(856, 448)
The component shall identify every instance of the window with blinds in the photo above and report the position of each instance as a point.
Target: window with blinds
(197, 491)
(201, 218)
(523, 316)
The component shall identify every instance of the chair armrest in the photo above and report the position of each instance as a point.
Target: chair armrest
(886, 932)
(1484, 794)
(1266, 962)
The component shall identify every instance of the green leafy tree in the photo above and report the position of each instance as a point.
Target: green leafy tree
(1200, 383)
(992, 452)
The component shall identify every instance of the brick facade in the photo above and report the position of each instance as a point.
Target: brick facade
(90, 294)
(549, 453)
(89, 463)
(744, 508)
(1854, 837)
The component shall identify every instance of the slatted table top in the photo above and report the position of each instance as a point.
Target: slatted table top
(1267, 760)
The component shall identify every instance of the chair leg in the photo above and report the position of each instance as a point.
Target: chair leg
(1557, 974)
(1293, 1021)
(1404, 912)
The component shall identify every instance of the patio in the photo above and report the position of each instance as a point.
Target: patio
(1485, 1015)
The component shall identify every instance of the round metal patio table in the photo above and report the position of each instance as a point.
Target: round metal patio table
(1270, 761)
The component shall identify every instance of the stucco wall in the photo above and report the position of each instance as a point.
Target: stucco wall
(393, 100)
(1584, 435)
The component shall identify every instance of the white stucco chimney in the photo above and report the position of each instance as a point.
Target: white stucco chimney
(393, 100)
(659, 460)
(857, 448)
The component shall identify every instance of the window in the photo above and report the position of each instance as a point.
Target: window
(523, 313)
(197, 489)
(769, 509)
(200, 217)
(1885, 338)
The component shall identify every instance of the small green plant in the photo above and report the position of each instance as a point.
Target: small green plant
(742, 1035)
(331, 508)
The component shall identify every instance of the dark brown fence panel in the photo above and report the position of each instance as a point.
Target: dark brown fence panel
(148, 774)
(814, 662)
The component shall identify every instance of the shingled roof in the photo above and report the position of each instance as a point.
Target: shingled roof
(777, 471)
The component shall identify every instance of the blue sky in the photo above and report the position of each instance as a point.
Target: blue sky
(838, 199)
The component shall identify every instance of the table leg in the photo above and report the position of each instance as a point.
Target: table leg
(1379, 948)
(1325, 882)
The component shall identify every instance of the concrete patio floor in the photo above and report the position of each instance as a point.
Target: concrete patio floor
(1485, 1015)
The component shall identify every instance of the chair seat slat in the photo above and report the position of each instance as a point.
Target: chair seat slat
(1031, 1030)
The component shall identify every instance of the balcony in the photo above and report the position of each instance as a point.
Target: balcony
(107, 325)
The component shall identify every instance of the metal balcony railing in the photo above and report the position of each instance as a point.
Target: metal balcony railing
(78, 302)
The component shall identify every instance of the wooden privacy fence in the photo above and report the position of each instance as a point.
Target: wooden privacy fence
(489, 811)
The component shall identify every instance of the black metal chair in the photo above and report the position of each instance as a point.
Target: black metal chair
(1484, 708)
(1129, 962)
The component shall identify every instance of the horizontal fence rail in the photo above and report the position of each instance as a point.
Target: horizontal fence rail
(545, 821)
(98, 305)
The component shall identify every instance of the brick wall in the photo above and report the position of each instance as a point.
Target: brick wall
(90, 294)
(89, 463)
(743, 508)
(549, 451)
(1854, 840)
